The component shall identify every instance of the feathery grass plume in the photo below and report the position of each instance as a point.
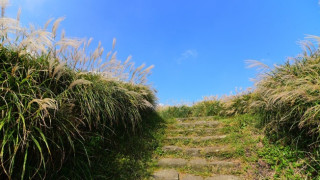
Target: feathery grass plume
(3, 4)
(135, 73)
(18, 14)
(8, 25)
(59, 69)
(307, 47)
(258, 64)
(56, 26)
(51, 63)
(64, 43)
(96, 52)
(114, 43)
(89, 42)
(44, 106)
(144, 74)
(79, 82)
(47, 23)
(37, 42)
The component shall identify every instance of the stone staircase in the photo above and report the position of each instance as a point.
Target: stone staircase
(195, 150)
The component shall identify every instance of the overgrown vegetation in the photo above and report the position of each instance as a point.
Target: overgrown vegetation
(61, 110)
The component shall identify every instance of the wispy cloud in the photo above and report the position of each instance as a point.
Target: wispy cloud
(29, 5)
(188, 54)
(32, 5)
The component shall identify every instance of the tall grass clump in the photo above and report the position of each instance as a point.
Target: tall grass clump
(237, 104)
(55, 97)
(177, 111)
(209, 106)
(288, 99)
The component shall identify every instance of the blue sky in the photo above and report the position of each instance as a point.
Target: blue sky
(198, 47)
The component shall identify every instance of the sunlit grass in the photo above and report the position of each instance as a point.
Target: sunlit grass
(57, 101)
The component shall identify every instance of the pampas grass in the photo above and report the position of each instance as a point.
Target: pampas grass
(55, 96)
(287, 97)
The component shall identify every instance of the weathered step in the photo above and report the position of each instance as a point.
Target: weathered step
(195, 118)
(165, 174)
(223, 177)
(198, 123)
(195, 130)
(196, 138)
(196, 152)
(200, 163)
(191, 177)
(171, 174)
(172, 162)
(218, 177)
(197, 163)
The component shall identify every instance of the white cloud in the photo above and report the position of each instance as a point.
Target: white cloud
(188, 54)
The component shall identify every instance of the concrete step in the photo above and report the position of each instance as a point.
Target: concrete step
(195, 118)
(197, 152)
(217, 177)
(195, 138)
(165, 174)
(223, 177)
(171, 174)
(198, 123)
(205, 131)
(196, 163)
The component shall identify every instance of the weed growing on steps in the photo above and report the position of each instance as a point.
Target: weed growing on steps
(260, 157)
